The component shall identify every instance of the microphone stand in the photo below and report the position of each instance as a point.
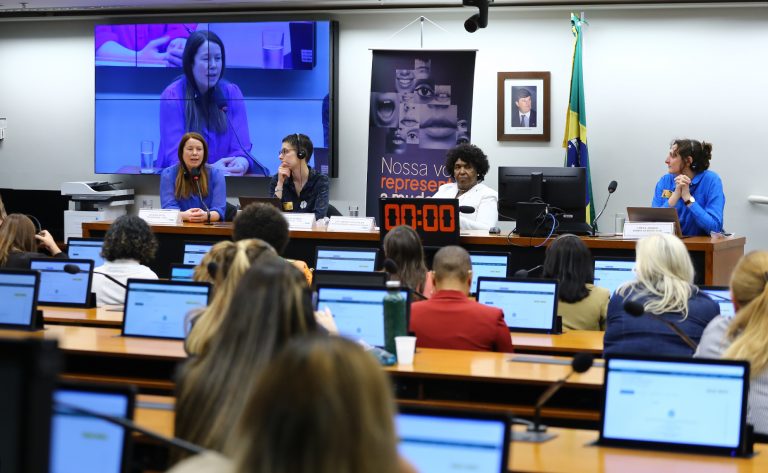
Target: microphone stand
(594, 222)
(202, 201)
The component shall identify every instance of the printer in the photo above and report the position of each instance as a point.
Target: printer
(92, 202)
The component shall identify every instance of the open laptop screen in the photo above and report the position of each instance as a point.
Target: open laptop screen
(443, 442)
(674, 402)
(194, 251)
(492, 265)
(58, 286)
(721, 295)
(358, 311)
(529, 305)
(86, 248)
(159, 308)
(612, 273)
(182, 272)
(345, 259)
(18, 291)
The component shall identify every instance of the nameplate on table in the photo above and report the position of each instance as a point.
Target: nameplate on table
(161, 216)
(351, 224)
(300, 221)
(636, 230)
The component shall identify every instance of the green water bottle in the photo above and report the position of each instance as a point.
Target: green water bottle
(394, 316)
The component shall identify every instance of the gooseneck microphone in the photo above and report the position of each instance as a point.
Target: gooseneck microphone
(391, 268)
(636, 309)
(221, 103)
(524, 273)
(195, 173)
(75, 269)
(611, 189)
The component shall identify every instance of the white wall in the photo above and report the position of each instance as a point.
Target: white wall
(651, 75)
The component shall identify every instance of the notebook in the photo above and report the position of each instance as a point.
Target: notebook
(611, 273)
(86, 248)
(488, 264)
(721, 295)
(682, 404)
(359, 311)
(182, 272)
(195, 250)
(345, 259)
(18, 293)
(63, 282)
(159, 308)
(374, 279)
(87, 444)
(443, 440)
(529, 305)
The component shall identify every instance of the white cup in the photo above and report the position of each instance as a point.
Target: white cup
(405, 347)
(619, 223)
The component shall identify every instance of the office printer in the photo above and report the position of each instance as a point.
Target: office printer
(93, 202)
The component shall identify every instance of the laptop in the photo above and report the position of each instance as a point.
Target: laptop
(529, 305)
(158, 308)
(88, 444)
(721, 295)
(359, 311)
(182, 272)
(485, 263)
(680, 404)
(354, 278)
(195, 250)
(611, 273)
(273, 201)
(86, 248)
(18, 293)
(655, 214)
(63, 282)
(446, 440)
(345, 259)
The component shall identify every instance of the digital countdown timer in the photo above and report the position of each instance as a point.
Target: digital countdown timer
(435, 220)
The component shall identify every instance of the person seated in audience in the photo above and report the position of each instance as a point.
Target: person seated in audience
(744, 336)
(664, 286)
(266, 222)
(582, 305)
(403, 246)
(3, 215)
(271, 305)
(19, 243)
(322, 405)
(129, 246)
(449, 319)
(224, 265)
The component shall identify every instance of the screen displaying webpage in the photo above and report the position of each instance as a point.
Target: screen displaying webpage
(346, 260)
(160, 310)
(611, 274)
(526, 304)
(17, 293)
(60, 287)
(358, 313)
(86, 249)
(723, 299)
(182, 273)
(194, 252)
(493, 266)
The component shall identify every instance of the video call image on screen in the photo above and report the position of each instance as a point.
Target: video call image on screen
(160, 310)
(86, 444)
(526, 305)
(345, 260)
(17, 293)
(86, 249)
(59, 286)
(243, 86)
(611, 274)
(492, 266)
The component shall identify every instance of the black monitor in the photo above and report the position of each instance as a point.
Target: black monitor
(562, 188)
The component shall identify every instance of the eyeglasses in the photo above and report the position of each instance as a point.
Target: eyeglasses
(284, 151)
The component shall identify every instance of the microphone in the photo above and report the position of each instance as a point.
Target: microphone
(223, 105)
(636, 309)
(75, 269)
(181, 444)
(391, 268)
(524, 273)
(466, 209)
(195, 173)
(537, 433)
(611, 189)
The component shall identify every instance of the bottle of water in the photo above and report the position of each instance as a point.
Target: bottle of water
(395, 324)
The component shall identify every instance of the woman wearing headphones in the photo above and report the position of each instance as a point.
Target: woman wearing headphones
(299, 187)
(191, 183)
(691, 188)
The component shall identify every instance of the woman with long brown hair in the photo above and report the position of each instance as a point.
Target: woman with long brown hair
(19, 242)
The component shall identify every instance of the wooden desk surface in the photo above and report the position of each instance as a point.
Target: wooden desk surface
(108, 316)
(565, 344)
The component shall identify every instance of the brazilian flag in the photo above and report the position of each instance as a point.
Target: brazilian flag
(575, 140)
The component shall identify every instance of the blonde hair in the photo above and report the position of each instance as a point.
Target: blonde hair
(323, 406)
(664, 275)
(17, 234)
(231, 260)
(747, 330)
(2, 210)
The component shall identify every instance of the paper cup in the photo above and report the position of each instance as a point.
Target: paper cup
(405, 346)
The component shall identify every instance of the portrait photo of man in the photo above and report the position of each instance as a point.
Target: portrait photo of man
(523, 113)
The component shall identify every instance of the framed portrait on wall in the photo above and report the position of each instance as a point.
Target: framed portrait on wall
(523, 106)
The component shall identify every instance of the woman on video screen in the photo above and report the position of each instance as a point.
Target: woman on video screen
(202, 101)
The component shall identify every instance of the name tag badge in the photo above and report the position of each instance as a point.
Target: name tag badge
(666, 193)
(288, 206)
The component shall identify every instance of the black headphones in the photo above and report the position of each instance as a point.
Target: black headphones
(299, 150)
(694, 165)
(34, 219)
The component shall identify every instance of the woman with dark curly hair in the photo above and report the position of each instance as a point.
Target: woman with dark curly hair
(468, 165)
(129, 246)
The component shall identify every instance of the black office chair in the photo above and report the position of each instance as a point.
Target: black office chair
(333, 212)
(230, 212)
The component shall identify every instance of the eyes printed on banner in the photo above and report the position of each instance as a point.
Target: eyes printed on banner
(422, 68)
(424, 91)
(412, 136)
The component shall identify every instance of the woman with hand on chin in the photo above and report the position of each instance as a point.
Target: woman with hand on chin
(299, 187)
(691, 188)
(191, 185)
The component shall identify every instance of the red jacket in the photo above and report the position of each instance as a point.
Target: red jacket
(449, 319)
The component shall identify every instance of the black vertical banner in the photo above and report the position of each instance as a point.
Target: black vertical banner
(421, 106)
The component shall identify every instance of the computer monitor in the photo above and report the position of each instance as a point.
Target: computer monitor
(721, 295)
(182, 272)
(89, 444)
(529, 305)
(359, 311)
(354, 278)
(562, 188)
(611, 273)
(447, 440)
(86, 248)
(486, 263)
(195, 250)
(679, 404)
(18, 293)
(159, 309)
(345, 259)
(64, 282)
